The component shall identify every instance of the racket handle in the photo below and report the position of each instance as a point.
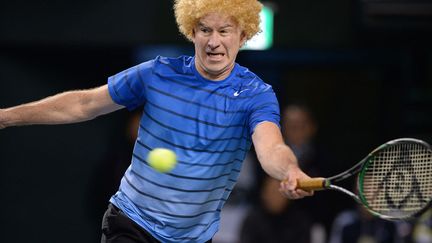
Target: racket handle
(312, 184)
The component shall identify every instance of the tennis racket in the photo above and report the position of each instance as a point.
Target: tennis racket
(394, 181)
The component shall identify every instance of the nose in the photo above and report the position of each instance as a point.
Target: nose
(214, 41)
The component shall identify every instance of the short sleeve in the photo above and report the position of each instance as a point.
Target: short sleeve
(265, 108)
(128, 88)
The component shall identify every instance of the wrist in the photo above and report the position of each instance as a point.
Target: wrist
(2, 118)
(5, 120)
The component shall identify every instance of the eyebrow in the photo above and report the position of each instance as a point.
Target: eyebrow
(227, 26)
(201, 24)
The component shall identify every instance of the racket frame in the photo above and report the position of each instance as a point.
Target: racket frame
(328, 183)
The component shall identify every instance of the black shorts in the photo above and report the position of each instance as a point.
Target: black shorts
(118, 228)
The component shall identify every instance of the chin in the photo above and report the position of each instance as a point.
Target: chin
(219, 67)
(218, 72)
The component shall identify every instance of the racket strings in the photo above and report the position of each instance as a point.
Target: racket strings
(397, 180)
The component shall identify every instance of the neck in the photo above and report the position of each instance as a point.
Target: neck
(214, 76)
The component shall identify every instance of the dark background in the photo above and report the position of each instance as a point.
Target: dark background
(364, 70)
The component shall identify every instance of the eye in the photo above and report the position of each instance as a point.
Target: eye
(225, 31)
(205, 30)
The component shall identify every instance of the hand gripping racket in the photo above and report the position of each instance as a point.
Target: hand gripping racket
(394, 181)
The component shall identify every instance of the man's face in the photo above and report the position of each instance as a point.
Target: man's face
(217, 39)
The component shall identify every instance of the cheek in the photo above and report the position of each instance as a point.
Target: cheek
(199, 48)
(233, 50)
(201, 45)
(234, 46)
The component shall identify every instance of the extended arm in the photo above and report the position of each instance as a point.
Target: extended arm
(67, 107)
(278, 160)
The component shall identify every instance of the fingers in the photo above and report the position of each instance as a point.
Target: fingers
(289, 189)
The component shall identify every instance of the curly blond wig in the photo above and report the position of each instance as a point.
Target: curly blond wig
(245, 12)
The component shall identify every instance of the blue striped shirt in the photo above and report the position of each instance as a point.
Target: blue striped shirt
(209, 126)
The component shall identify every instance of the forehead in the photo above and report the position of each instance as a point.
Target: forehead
(217, 20)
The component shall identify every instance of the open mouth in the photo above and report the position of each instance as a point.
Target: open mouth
(216, 55)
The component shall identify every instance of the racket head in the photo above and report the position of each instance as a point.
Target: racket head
(395, 180)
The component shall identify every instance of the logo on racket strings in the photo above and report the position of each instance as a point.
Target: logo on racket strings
(401, 183)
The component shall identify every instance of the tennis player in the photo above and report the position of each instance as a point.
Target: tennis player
(206, 107)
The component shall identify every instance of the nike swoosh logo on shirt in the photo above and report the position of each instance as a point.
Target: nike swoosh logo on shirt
(237, 93)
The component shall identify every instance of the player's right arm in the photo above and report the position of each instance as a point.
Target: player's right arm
(67, 107)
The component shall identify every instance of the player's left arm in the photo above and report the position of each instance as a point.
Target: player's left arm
(278, 160)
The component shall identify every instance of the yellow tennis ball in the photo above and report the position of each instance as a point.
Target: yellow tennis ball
(162, 160)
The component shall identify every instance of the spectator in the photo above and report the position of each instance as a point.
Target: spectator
(422, 229)
(275, 219)
(359, 226)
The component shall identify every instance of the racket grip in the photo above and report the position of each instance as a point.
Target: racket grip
(312, 184)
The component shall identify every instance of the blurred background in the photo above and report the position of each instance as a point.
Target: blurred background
(362, 69)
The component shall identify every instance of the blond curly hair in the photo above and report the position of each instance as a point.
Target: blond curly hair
(246, 13)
